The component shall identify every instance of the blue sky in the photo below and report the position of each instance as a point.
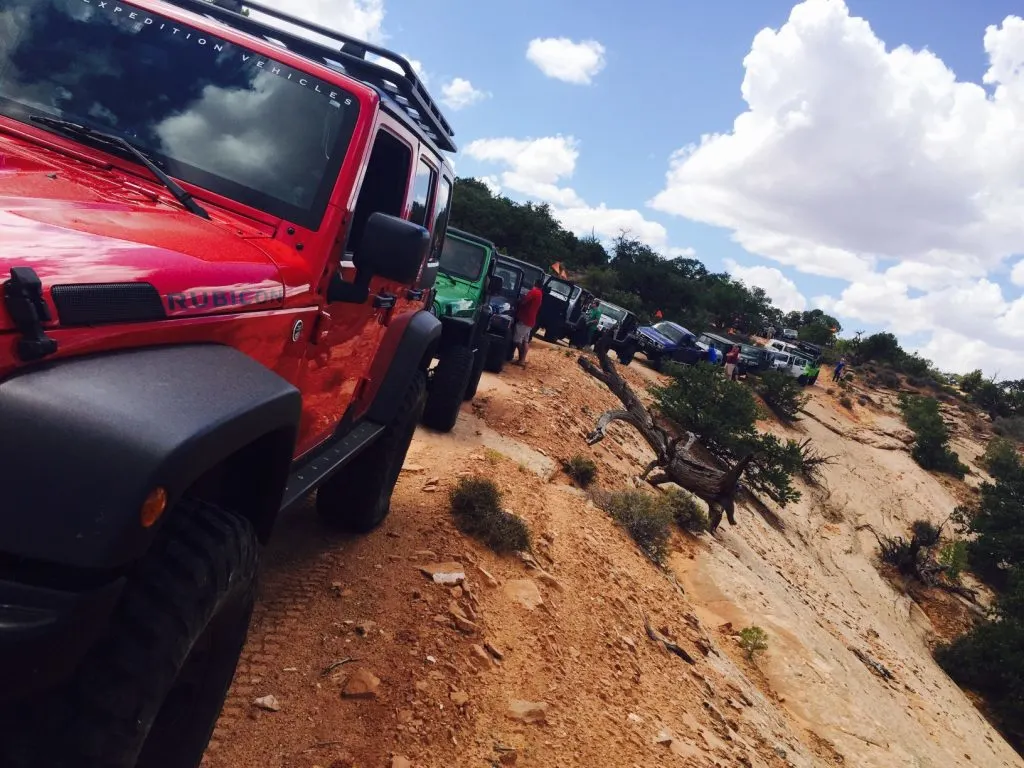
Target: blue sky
(854, 185)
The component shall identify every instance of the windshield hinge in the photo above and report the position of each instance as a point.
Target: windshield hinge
(23, 297)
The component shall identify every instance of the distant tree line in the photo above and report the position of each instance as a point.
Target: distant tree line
(630, 273)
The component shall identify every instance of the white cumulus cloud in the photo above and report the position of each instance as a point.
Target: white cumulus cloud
(566, 60)
(537, 168)
(460, 93)
(780, 289)
(877, 166)
(361, 19)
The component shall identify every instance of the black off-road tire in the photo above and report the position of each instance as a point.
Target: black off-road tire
(149, 692)
(554, 334)
(447, 385)
(497, 350)
(626, 353)
(358, 497)
(479, 359)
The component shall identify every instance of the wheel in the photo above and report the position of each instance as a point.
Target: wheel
(149, 692)
(479, 359)
(554, 334)
(358, 497)
(497, 349)
(447, 386)
(626, 353)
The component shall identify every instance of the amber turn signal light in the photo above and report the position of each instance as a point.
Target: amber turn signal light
(153, 507)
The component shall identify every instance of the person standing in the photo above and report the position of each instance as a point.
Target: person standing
(732, 359)
(526, 318)
(593, 321)
(837, 374)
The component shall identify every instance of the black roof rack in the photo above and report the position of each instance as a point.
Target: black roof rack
(404, 89)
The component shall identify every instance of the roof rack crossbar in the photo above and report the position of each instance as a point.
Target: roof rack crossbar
(403, 89)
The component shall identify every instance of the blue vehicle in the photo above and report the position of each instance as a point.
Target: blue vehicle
(666, 340)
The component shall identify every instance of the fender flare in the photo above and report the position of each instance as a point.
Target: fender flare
(87, 439)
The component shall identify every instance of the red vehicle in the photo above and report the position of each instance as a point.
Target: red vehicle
(213, 239)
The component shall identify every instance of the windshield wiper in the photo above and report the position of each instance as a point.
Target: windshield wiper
(83, 131)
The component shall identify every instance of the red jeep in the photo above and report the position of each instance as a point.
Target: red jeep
(216, 234)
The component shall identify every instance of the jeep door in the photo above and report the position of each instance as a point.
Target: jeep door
(343, 362)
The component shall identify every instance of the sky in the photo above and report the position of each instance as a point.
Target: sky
(865, 157)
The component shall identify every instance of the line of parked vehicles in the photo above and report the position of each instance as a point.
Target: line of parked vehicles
(477, 290)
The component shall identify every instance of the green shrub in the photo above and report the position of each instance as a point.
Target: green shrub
(722, 414)
(996, 522)
(953, 556)
(989, 660)
(782, 393)
(1009, 426)
(581, 469)
(846, 402)
(753, 640)
(476, 506)
(1000, 458)
(931, 449)
(888, 379)
(645, 517)
(685, 511)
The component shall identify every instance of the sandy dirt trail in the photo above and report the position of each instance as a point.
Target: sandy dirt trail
(593, 689)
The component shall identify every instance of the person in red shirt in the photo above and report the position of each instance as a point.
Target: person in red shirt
(732, 359)
(526, 318)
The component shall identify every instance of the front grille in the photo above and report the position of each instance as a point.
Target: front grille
(101, 303)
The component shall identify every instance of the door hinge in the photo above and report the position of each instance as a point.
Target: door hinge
(384, 301)
(384, 305)
(23, 297)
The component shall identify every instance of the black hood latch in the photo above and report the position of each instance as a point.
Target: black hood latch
(23, 297)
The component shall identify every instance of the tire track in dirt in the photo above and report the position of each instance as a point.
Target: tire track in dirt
(296, 567)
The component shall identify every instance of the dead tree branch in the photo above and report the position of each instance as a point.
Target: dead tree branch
(716, 487)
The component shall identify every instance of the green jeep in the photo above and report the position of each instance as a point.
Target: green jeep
(465, 280)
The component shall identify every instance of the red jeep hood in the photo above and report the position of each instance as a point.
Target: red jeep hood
(74, 227)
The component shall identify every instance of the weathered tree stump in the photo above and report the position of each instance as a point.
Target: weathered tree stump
(673, 459)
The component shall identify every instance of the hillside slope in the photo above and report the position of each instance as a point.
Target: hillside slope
(373, 664)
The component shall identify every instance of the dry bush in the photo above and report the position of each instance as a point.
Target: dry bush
(580, 469)
(684, 509)
(645, 517)
(477, 510)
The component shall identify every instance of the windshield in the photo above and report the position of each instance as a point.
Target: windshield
(615, 313)
(462, 259)
(560, 289)
(531, 275)
(208, 112)
(510, 279)
(673, 333)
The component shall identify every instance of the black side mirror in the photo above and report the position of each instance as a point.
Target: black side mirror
(391, 248)
(495, 284)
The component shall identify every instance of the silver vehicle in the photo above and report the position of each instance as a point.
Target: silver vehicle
(788, 363)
